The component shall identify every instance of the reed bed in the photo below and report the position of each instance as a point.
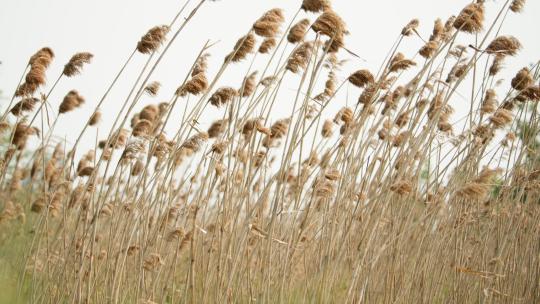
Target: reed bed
(393, 199)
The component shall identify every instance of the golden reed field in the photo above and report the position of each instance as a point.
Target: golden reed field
(392, 199)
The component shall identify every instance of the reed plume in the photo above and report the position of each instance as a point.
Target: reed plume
(76, 63)
(71, 101)
(268, 25)
(517, 6)
(471, 18)
(242, 48)
(298, 31)
(222, 96)
(504, 46)
(153, 39)
(315, 6)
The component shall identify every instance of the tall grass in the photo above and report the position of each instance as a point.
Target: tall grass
(391, 200)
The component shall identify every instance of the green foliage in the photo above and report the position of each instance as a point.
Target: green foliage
(14, 241)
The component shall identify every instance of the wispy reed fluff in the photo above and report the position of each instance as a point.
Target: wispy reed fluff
(76, 63)
(504, 46)
(25, 105)
(198, 83)
(223, 96)
(95, 118)
(471, 18)
(300, 57)
(243, 47)
(410, 28)
(248, 85)
(522, 80)
(70, 102)
(297, 31)
(315, 6)
(268, 25)
(478, 188)
(331, 25)
(152, 88)
(361, 78)
(267, 45)
(399, 63)
(39, 62)
(517, 6)
(153, 39)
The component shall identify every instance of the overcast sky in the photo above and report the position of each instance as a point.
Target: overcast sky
(110, 30)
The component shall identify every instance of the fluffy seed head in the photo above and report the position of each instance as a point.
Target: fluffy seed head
(153, 39)
(243, 47)
(489, 104)
(279, 128)
(217, 128)
(267, 45)
(315, 6)
(95, 118)
(71, 101)
(268, 80)
(504, 45)
(152, 88)
(517, 6)
(201, 65)
(248, 85)
(402, 119)
(330, 24)
(478, 188)
(133, 149)
(332, 174)
(21, 134)
(42, 57)
(346, 115)
(401, 138)
(4, 126)
(118, 139)
(300, 57)
(76, 63)
(327, 128)
(402, 187)
(368, 95)
(361, 78)
(522, 80)
(429, 49)
(268, 25)
(250, 125)
(195, 86)
(496, 66)
(222, 96)
(531, 93)
(219, 147)
(438, 31)
(149, 112)
(298, 31)
(471, 18)
(195, 142)
(137, 168)
(399, 63)
(36, 75)
(25, 105)
(26, 89)
(410, 28)
(142, 128)
(86, 171)
(501, 117)
(324, 189)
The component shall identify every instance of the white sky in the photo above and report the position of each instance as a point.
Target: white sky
(110, 30)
